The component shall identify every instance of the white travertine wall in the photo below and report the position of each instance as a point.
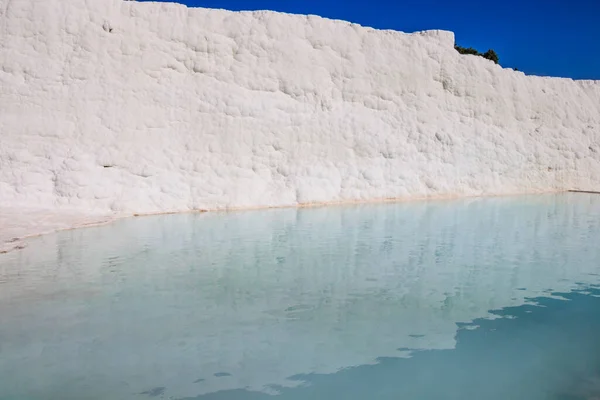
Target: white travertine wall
(114, 106)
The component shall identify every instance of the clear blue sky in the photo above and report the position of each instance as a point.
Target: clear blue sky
(541, 37)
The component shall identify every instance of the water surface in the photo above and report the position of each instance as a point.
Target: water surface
(468, 299)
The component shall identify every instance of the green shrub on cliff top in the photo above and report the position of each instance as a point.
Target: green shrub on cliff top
(490, 54)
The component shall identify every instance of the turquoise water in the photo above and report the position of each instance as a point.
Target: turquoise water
(472, 299)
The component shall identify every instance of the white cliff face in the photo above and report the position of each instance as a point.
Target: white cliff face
(122, 107)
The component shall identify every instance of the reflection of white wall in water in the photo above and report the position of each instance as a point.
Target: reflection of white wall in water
(145, 107)
(270, 294)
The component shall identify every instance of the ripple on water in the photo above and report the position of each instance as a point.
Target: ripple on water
(479, 298)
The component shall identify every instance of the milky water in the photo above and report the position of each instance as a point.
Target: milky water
(470, 299)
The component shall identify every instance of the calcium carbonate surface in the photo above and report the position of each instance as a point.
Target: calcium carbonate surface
(112, 107)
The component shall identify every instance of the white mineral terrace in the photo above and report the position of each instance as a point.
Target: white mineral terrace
(113, 108)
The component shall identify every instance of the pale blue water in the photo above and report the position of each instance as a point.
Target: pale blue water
(472, 299)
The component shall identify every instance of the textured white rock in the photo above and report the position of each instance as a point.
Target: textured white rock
(122, 107)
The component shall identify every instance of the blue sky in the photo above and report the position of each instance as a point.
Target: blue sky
(541, 37)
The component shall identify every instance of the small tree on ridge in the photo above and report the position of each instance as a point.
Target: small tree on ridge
(490, 54)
